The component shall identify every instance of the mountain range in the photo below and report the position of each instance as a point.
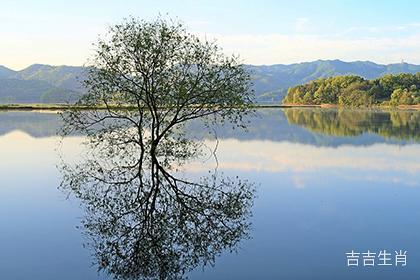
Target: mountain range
(41, 83)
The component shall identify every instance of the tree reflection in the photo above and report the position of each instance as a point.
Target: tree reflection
(397, 124)
(145, 218)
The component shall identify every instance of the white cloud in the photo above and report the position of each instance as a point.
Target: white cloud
(386, 44)
(292, 157)
(410, 27)
(278, 48)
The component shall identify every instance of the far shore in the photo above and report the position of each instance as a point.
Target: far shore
(61, 107)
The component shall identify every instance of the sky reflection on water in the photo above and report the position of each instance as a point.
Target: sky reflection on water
(321, 192)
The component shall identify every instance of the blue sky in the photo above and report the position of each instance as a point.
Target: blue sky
(261, 32)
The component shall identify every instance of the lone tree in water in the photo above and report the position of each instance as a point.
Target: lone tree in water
(146, 220)
(167, 75)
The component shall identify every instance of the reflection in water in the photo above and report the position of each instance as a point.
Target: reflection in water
(143, 218)
(402, 125)
(316, 126)
(319, 193)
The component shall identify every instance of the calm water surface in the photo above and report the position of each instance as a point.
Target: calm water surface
(327, 182)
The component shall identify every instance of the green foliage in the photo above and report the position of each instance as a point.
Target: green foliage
(405, 96)
(355, 91)
(355, 95)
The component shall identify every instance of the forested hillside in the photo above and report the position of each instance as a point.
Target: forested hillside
(398, 89)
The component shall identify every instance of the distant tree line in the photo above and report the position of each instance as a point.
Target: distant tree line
(355, 91)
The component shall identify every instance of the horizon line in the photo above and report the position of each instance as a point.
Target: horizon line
(267, 65)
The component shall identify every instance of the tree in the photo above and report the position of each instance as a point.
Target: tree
(356, 95)
(401, 97)
(144, 219)
(166, 75)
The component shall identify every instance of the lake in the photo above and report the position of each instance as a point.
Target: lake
(327, 182)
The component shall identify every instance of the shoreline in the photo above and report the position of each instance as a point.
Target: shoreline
(59, 107)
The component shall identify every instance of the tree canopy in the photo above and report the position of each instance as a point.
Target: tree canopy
(399, 89)
(165, 76)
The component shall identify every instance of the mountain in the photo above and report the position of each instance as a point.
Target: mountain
(34, 91)
(60, 76)
(41, 83)
(5, 72)
(271, 82)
